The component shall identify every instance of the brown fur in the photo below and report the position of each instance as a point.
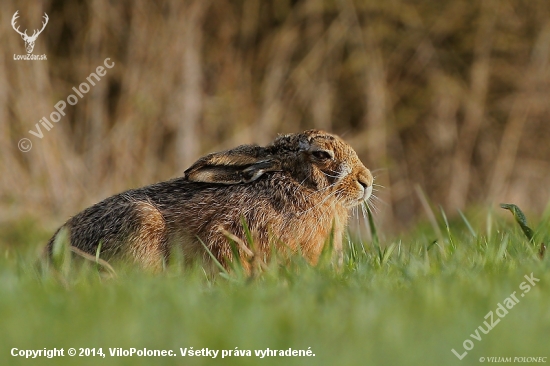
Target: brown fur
(148, 244)
(292, 194)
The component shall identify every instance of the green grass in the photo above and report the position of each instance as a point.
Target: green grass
(409, 305)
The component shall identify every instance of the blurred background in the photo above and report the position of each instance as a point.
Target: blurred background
(451, 98)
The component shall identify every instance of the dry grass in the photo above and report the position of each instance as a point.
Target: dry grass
(448, 95)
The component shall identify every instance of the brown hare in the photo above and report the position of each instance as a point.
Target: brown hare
(292, 194)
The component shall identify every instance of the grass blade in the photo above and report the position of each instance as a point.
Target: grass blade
(216, 262)
(61, 253)
(374, 232)
(468, 225)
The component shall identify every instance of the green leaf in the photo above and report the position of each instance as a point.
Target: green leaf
(520, 218)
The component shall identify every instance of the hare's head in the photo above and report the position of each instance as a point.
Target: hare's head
(315, 159)
(325, 162)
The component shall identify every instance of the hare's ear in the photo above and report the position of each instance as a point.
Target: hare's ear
(242, 165)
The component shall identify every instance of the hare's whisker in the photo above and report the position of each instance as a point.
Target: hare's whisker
(323, 201)
(376, 199)
(301, 184)
(332, 176)
(321, 190)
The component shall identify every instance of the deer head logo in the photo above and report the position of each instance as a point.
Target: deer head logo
(29, 41)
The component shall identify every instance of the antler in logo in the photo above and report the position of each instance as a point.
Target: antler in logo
(29, 41)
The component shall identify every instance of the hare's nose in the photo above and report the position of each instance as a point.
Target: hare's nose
(365, 179)
(363, 182)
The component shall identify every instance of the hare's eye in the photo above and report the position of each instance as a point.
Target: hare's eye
(322, 155)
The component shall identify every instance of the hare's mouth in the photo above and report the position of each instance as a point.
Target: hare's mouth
(361, 198)
(367, 192)
(364, 197)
